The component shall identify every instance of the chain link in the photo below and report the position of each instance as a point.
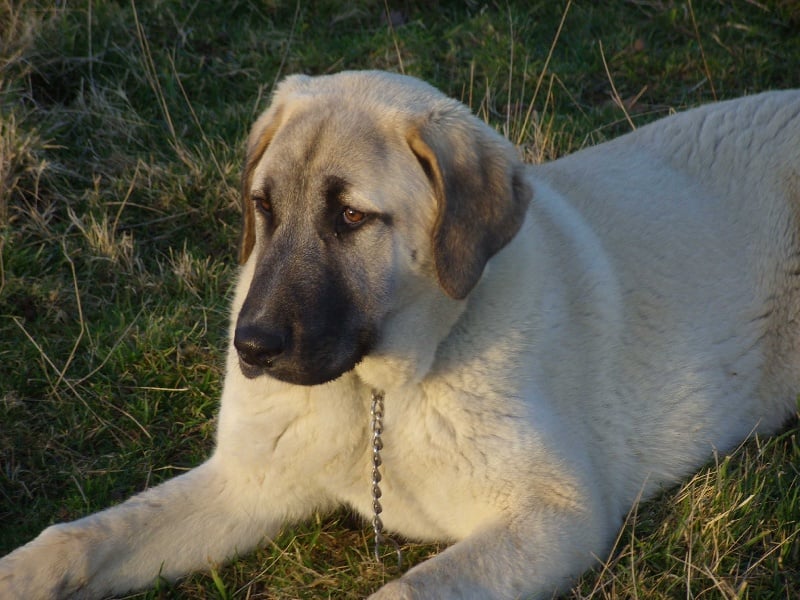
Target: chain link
(376, 412)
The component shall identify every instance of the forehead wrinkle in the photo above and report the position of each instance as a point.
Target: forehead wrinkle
(330, 125)
(300, 139)
(327, 139)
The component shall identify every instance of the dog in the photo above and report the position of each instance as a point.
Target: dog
(551, 342)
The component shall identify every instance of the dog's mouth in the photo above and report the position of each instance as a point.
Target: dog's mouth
(262, 352)
(293, 375)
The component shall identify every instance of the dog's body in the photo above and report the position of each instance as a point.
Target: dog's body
(552, 341)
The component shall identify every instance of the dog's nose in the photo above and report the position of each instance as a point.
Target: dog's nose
(257, 347)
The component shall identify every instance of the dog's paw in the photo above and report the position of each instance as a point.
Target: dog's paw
(21, 578)
(396, 590)
(7, 585)
(47, 567)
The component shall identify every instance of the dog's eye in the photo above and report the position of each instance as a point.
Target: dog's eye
(263, 202)
(348, 219)
(353, 217)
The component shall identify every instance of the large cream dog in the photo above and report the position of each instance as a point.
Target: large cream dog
(552, 341)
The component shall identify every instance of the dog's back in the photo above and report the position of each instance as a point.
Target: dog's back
(702, 237)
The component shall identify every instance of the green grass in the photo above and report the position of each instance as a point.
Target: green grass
(121, 132)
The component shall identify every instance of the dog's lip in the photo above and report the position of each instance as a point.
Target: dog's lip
(251, 371)
(293, 375)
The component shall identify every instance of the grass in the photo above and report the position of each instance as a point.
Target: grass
(121, 129)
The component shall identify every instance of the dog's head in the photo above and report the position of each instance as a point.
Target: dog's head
(371, 204)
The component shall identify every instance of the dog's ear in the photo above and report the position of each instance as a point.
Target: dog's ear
(261, 134)
(481, 191)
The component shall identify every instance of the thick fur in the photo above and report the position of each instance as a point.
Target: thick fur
(553, 341)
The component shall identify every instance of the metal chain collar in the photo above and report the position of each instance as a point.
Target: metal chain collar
(376, 413)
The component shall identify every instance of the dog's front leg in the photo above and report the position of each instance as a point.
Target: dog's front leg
(188, 523)
(533, 556)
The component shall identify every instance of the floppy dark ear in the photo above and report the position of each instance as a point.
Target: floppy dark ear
(481, 193)
(261, 135)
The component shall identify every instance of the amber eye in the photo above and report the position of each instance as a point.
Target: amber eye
(263, 202)
(351, 216)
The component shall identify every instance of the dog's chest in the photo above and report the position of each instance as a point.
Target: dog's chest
(441, 476)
